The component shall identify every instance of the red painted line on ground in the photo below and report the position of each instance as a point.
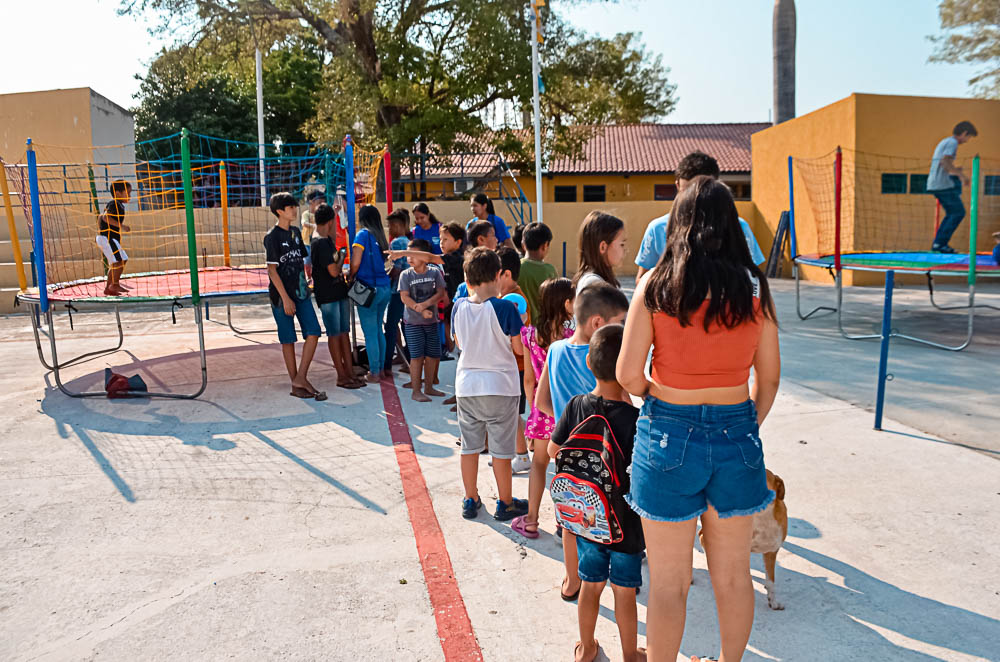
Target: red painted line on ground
(458, 641)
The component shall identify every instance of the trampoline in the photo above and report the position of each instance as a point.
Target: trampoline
(188, 243)
(891, 221)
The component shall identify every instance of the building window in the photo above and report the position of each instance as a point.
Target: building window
(992, 185)
(565, 193)
(664, 191)
(741, 191)
(893, 182)
(593, 193)
(918, 183)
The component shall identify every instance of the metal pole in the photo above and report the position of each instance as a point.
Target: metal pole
(15, 243)
(36, 230)
(564, 259)
(973, 223)
(189, 214)
(535, 103)
(349, 168)
(883, 360)
(387, 165)
(260, 126)
(838, 181)
(224, 190)
(791, 210)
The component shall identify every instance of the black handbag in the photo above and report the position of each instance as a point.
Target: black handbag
(361, 294)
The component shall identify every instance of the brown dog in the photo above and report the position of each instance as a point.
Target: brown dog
(770, 527)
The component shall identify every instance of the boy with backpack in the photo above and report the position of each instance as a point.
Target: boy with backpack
(487, 329)
(592, 446)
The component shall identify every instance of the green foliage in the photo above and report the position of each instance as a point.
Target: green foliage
(973, 28)
(414, 74)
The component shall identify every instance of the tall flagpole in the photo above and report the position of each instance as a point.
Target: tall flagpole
(536, 38)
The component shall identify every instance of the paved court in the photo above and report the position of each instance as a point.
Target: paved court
(250, 525)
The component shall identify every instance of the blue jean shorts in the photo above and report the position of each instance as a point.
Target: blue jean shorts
(308, 323)
(687, 457)
(598, 563)
(336, 317)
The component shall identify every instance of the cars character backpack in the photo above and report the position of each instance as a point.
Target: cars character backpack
(587, 489)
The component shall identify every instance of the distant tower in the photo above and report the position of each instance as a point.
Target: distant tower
(783, 36)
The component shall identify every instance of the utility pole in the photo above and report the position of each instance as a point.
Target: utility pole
(260, 127)
(536, 39)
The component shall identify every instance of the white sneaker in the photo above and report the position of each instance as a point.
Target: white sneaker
(521, 464)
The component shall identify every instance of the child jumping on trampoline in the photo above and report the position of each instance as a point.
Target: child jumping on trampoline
(285, 255)
(945, 183)
(110, 226)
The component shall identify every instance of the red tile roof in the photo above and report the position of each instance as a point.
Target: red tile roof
(658, 148)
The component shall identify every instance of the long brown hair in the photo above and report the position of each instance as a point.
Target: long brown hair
(552, 316)
(707, 257)
(597, 227)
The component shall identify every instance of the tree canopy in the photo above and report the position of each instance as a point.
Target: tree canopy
(409, 73)
(973, 36)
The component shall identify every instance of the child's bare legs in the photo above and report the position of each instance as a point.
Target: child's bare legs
(121, 271)
(536, 483)
(431, 371)
(571, 584)
(502, 473)
(345, 351)
(416, 365)
(521, 445)
(627, 618)
(308, 350)
(588, 607)
(288, 354)
(470, 471)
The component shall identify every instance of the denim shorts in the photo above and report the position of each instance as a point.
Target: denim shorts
(308, 323)
(687, 457)
(336, 317)
(423, 340)
(598, 563)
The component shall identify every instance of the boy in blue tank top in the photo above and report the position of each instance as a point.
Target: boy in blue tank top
(566, 375)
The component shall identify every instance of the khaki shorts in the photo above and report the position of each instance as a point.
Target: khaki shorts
(495, 416)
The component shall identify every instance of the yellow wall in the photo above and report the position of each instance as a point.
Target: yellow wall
(52, 117)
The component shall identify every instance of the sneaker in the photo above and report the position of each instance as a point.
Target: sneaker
(943, 249)
(520, 464)
(505, 512)
(470, 508)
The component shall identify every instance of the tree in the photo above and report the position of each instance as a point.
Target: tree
(974, 37)
(414, 73)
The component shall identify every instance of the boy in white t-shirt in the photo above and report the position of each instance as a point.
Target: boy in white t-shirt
(487, 385)
(945, 182)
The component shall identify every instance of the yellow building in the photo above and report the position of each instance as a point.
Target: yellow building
(886, 146)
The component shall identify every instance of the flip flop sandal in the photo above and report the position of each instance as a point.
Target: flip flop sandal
(570, 598)
(350, 385)
(320, 396)
(520, 524)
(299, 392)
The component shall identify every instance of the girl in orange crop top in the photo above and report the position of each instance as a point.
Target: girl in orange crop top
(706, 312)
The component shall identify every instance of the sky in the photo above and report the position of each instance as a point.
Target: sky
(719, 51)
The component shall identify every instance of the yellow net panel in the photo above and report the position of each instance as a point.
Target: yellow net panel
(885, 206)
(367, 171)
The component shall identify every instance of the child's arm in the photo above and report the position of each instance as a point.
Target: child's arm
(529, 382)
(766, 370)
(636, 341)
(543, 396)
(288, 304)
(553, 448)
(423, 255)
(516, 345)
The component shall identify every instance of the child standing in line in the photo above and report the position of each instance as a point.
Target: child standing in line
(553, 323)
(602, 249)
(453, 245)
(486, 329)
(534, 269)
(620, 561)
(289, 294)
(564, 375)
(481, 233)
(399, 239)
(110, 226)
(420, 289)
(510, 263)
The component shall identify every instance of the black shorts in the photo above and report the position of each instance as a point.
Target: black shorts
(524, 398)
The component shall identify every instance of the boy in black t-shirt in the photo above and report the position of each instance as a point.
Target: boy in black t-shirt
(330, 289)
(110, 226)
(289, 293)
(621, 561)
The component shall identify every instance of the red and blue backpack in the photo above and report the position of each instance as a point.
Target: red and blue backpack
(587, 490)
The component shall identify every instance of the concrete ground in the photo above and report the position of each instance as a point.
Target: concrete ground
(250, 525)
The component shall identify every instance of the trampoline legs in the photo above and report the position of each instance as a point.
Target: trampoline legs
(823, 310)
(930, 290)
(840, 314)
(35, 322)
(56, 366)
(241, 332)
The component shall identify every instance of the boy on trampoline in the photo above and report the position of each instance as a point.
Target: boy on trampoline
(945, 182)
(110, 226)
(289, 294)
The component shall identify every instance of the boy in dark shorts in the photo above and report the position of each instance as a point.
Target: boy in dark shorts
(285, 255)
(330, 289)
(110, 226)
(621, 561)
(420, 288)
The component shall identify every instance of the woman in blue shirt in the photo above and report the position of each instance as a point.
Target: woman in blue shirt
(368, 266)
(482, 210)
(427, 227)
